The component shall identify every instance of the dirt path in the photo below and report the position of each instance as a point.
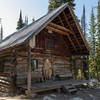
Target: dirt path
(84, 94)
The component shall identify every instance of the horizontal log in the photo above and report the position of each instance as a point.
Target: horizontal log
(5, 86)
(5, 79)
(10, 57)
(62, 68)
(9, 69)
(61, 64)
(22, 65)
(5, 74)
(5, 83)
(34, 55)
(9, 64)
(23, 53)
(20, 58)
(4, 91)
(60, 28)
(40, 66)
(59, 57)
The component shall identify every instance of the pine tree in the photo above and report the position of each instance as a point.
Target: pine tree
(33, 19)
(20, 22)
(1, 33)
(92, 43)
(56, 3)
(26, 20)
(98, 42)
(83, 22)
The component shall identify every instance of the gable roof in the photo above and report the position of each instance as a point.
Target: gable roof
(34, 28)
(23, 34)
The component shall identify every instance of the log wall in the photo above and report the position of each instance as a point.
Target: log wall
(62, 64)
(20, 63)
(59, 63)
(9, 64)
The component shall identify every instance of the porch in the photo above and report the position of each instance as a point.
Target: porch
(52, 85)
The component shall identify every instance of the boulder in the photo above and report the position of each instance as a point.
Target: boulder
(48, 98)
(76, 98)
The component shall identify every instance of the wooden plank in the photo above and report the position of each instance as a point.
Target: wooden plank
(40, 87)
(46, 89)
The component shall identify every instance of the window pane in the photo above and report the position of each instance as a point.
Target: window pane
(50, 44)
(34, 64)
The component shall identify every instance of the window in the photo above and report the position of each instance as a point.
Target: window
(34, 64)
(50, 44)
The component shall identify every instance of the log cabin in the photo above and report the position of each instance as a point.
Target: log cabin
(44, 49)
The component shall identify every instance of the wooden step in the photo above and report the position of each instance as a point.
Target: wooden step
(72, 90)
(69, 88)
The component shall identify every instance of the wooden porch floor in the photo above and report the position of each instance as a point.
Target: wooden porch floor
(40, 87)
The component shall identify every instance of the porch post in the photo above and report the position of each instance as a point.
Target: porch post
(29, 71)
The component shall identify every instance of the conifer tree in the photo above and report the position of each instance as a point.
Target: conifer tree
(84, 29)
(26, 20)
(92, 43)
(83, 22)
(20, 22)
(1, 33)
(56, 3)
(98, 42)
(33, 19)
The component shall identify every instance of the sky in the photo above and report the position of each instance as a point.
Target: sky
(10, 9)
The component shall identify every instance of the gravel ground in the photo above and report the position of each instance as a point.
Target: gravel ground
(83, 94)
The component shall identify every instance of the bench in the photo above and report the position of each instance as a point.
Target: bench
(63, 75)
(21, 78)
